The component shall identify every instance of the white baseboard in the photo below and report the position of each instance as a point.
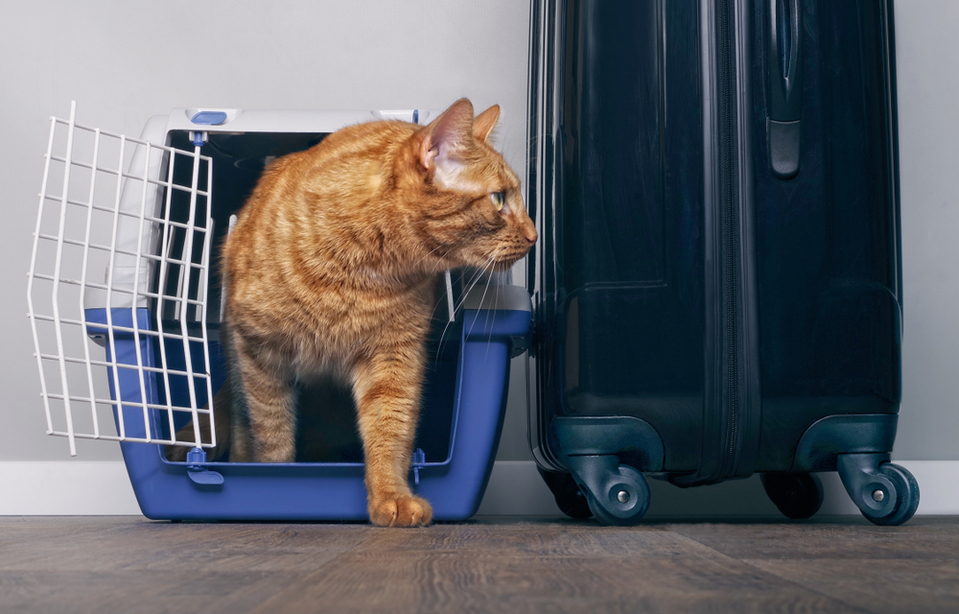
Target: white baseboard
(66, 488)
(77, 488)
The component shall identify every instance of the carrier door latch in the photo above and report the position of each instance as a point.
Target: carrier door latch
(197, 472)
(206, 118)
(418, 461)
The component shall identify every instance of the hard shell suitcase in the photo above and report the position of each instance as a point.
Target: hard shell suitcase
(717, 289)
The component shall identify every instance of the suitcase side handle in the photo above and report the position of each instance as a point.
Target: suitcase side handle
(784, 84)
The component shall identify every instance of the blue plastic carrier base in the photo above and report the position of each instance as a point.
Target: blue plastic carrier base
(452, 477)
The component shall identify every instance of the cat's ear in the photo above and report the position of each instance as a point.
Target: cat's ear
(447, 134)
(485, 122)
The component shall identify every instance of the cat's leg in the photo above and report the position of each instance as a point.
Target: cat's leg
(264, 430)
(387, 392)
(241, 439)
(222, 417)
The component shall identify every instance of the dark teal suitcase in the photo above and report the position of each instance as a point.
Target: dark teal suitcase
(717, 289)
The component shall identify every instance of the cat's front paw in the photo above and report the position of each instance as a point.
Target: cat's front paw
(400, 511)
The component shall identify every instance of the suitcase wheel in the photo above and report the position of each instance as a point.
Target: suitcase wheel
(569, 498)
(797, 495)
(885, 493)
(905, 492)
(616, 494)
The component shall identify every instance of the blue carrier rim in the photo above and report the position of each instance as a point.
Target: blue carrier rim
(333, 491)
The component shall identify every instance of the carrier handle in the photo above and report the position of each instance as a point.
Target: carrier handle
(784, 84)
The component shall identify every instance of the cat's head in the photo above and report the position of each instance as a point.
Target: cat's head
(472, 211)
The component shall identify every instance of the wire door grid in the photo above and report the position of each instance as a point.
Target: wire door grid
(117, 290)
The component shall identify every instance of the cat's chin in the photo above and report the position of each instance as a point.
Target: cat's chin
(504, 265)
(501, 267)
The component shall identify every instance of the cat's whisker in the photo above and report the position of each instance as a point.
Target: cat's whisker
(475, 279)
(439, 345)
(440, 263)
(489, 338)
(469, 285)
(427, 255)
(477, 275)
(442, 299)
(490, 265)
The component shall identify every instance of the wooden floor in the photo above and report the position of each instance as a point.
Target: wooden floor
(131, 565)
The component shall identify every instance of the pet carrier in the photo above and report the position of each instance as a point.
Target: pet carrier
(124, 304)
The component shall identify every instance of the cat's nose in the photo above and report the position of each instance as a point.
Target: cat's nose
(531, 234)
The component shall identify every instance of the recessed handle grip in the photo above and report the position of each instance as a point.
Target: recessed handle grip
(784, 86)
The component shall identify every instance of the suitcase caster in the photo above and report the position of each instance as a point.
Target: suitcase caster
(569, 498)
(797, 495)
(616, 494)
(885, 493)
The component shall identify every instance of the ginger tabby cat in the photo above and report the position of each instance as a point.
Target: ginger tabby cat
(331, 270)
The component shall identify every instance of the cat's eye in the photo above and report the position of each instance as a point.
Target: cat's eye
(499, 199)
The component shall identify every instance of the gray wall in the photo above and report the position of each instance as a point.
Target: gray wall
(928, 162)
(125, 61)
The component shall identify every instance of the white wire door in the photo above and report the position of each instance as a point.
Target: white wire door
(117, 290)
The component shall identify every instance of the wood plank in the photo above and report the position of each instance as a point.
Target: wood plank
(563, 567)
(883, 586)
(455, 583)
(79, 592)
(828, 538)
(96, 565)
(163, 545)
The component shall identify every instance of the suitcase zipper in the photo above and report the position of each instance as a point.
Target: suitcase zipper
(732, 336)
(729, 417)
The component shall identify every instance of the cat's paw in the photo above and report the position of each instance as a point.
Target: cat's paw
(400, 511)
